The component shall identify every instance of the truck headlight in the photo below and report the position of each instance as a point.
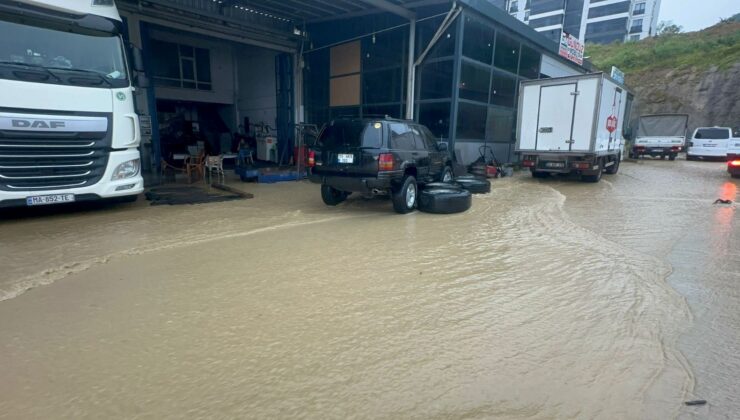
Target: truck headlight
(127, 169)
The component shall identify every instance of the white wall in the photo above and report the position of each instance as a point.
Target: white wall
(554, 68)
(256, 96)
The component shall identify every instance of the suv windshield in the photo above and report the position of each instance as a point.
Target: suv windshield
(712, 133)
(351, 133)
(66, 56)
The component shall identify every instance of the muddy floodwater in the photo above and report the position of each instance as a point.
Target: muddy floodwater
(548, 299)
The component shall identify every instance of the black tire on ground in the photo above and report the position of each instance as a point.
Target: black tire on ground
(614, 168)
(689, 157)
(332, 196)
(672, 156)
(447, 185)
(540, 174)
(445, 200)
(631, 155)
(475, 186)
(596, 177)
(405, 196)
(447, 175)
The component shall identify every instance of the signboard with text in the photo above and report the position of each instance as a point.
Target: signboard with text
(571, 48)
(617, 75)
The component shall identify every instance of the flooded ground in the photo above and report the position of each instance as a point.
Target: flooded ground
(548, 299)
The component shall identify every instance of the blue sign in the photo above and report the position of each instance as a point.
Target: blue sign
(617, 75)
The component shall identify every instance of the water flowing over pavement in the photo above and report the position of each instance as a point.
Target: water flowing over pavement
(548, 299)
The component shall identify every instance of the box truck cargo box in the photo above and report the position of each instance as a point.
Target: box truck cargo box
(572, 124)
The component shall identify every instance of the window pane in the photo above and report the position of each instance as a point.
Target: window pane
(503, 90)
(474, 82)
(186, 51)
(203, 63)
(188, 69)
(382, 86)
(165, 61)
(188, 85)
(445, 47)
(500, 125)
(384, 49)
(478, 41)
(507, 53)
(436, 117)
(436, 80)
(529, 66)
(471, 121)
(401, 137)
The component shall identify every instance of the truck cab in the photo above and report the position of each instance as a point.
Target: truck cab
(68, 129)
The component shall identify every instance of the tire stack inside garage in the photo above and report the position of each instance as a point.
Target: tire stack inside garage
(451, 197)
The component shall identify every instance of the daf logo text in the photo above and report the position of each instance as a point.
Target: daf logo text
(38, 124)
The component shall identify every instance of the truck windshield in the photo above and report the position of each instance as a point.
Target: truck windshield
(38, 54)
(712, 133)
(351, 133)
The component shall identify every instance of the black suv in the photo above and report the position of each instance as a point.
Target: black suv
(377, 156)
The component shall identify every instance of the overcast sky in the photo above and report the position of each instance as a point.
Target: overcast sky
(697, 14)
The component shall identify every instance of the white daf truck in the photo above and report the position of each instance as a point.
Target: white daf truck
(68, 129)
(572, 124)
(660, 135)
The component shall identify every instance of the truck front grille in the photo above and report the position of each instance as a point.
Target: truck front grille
(36, 161)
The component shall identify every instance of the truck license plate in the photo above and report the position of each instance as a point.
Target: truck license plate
(41, 200)
(657, 150)
(345, 158)
(555, 165)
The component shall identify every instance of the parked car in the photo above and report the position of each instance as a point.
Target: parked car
(709, 142)
(378, 156)
(733, 155)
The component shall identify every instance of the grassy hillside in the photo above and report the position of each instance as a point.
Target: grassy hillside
(716, 46)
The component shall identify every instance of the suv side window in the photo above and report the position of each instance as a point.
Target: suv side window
(429, 139)
(402, 137)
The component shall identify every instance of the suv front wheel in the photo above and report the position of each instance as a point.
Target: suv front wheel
(404, 196)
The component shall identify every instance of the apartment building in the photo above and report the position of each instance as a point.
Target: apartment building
(598, 21)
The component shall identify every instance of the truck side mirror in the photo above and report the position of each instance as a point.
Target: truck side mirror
(142, 81)
(138, 59)
(627, 133)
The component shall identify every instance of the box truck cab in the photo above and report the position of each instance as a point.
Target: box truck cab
(660, 136)
(68, 130)
(709, 142)
(572, 124)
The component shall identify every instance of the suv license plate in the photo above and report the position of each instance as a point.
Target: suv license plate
(555, 165)
(345, 158)
(42, 200)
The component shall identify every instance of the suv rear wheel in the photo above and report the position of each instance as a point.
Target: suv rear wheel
(332, 196)
(404, 197)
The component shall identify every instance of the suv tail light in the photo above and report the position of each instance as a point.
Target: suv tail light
(385, 162)
(734, 163)
(311, 159)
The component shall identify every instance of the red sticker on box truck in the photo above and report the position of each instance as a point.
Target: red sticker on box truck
(611, 124)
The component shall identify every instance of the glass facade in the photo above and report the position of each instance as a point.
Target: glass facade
(466, 87)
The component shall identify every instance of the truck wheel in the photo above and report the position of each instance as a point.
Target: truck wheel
(614, 168)
(475, 186)
(597, 176)
(444, 200)
(446, 175)
(332, 196)
(404, 197)
(672, 156)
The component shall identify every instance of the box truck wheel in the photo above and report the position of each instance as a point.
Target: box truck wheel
(595, 177)
(672, 156)
(614, 168)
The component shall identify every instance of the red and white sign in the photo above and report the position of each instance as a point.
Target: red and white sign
(571, 48)
(611, 124)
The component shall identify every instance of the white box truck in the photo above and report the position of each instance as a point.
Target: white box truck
(68, 129)
(572, 124)
(660, 135)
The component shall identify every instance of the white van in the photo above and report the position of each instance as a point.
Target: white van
(709, 142)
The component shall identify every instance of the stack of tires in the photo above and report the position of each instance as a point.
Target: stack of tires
(451, 197)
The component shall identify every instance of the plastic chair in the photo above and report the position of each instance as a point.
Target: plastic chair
(215, 164)
(195, 165)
